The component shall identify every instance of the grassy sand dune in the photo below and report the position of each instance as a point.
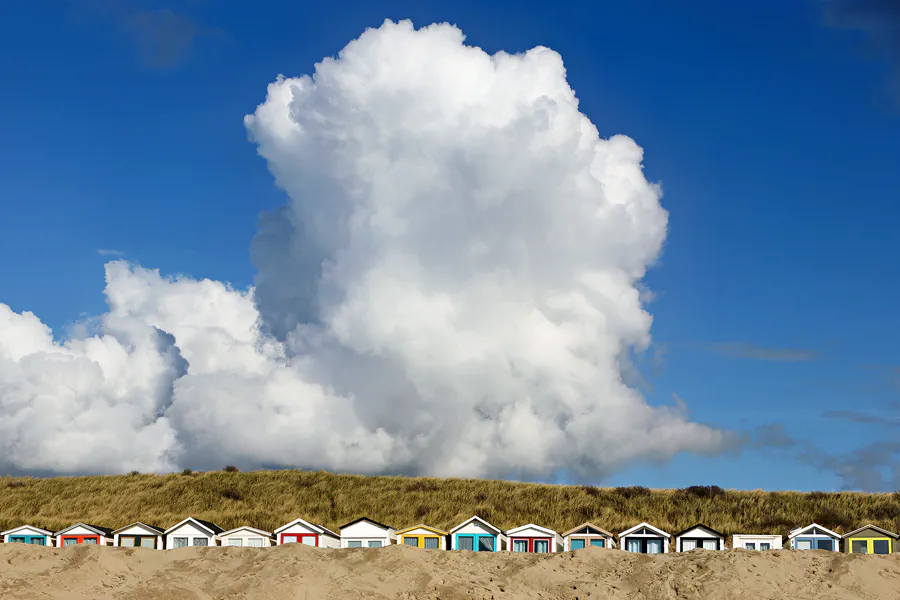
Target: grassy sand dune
(268, 499)
(296, 571)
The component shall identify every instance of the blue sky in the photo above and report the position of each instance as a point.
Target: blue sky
(774, 133)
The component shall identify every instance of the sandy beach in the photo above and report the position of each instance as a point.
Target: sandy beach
(296, 571)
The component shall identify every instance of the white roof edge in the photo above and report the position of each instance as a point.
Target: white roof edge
(516, 530)
(870, 526)
(130, 525)
(313, 526)
(795, 532)
(649, 526)
(196, 522)
(21, 527)
(248, 528)
(79, 524)
(480, 520)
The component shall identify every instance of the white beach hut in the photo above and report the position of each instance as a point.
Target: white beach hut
(366, 533)
(192, 532)
(249, 537)
(699, 537)
(754, 541)
(645, 539)
(28, 534)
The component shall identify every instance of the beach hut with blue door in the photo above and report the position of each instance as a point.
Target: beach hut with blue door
(588, 535)
(28, 534)
(645, 539)
(477, 535)
(814, 537)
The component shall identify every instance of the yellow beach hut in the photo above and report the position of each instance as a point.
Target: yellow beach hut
(870, 540)
(423, 536)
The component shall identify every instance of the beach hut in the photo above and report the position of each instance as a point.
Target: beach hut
(139, 535)
(870, 540)
(299, 531)
(81, 533)
(534, 538)
(477, 535)
(587, 534)
(247, 536)
(699, 537)
(423, 536)
(814, 537)
(645, 539)
(28, 534)
(366, 533)
(753, 541)
(192, 532)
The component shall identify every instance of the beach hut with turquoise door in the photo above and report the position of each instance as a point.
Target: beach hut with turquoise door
(645, 539)
(814, 537)
(477, 535)
(587, 535)
(28, 534)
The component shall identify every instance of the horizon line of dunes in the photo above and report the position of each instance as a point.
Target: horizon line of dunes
(268, 499)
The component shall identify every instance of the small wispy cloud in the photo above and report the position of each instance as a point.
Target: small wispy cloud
(879, 22)
(750, 351)
(164, 37)
(865, 418)
(109, 252)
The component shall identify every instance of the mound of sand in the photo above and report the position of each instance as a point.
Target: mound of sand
(296, 571)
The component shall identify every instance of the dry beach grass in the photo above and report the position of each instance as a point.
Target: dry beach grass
(296, 571)
(268, 499)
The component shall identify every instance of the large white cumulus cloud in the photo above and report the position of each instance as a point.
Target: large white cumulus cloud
(450, 290)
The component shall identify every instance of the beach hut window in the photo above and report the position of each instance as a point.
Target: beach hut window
(634, 545)
(688, 545)
(710, 544)
(70, 542)
(180, 542)
(354, 544)
(235, 542)
(752, 546)
(765, 546)
(654, 546)
(148, 542)
(200, 541)
(541, 546)
(576, 544)
(431, 543)
(128, 542)
(881, 546)
(520, 545)
(411, 541)
(16, 540)
(374, 543)
(90, 541)
(804, 544)
(465, 542)
(598, 543)
(486, 543)
(308, 540)
(859, 547)
(255, 542)
(825, 544)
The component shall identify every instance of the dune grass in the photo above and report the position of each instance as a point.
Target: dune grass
(268, 499)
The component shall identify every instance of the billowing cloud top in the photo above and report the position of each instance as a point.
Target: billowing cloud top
(449, 291)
